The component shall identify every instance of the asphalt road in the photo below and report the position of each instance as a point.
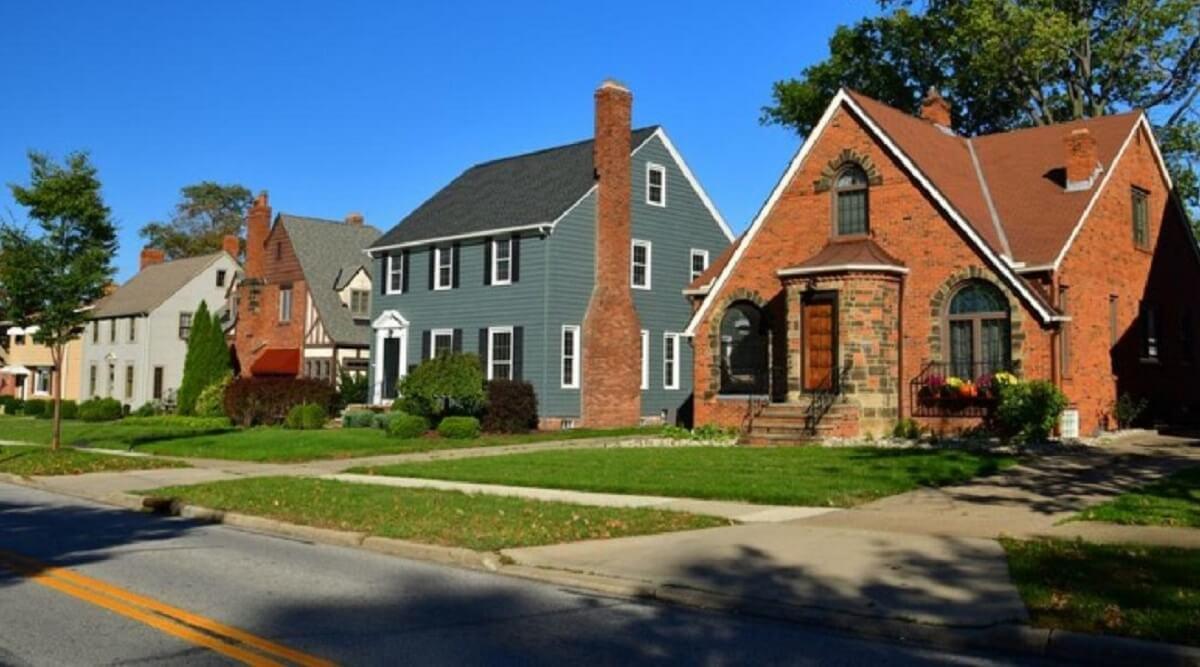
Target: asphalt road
(84, 584)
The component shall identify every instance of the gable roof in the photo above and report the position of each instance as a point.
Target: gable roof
(327, 249)
(506, 194)
(152, 286)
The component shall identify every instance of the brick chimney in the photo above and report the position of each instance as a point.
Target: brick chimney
(611, 337)
(150, 257)
(258, 225)
(1081, 159)
(231, 245)
(935, 109)
(355, 219)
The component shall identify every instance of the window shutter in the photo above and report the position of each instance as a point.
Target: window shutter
(432, 264)
(404, 271)
(454, 268)
(518, 353)
(456, 343)
(383, 273)
(487, 260)
(515, 253)
(483, 350)
(425, 345)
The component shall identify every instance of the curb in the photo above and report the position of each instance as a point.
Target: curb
(1008, 638)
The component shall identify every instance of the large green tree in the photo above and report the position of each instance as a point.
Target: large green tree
(49, 275)
(1004, 64)
(206, 212)
(207, 361)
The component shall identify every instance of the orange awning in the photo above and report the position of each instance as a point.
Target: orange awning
(277, 361)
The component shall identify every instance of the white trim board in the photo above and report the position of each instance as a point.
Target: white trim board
(876, 268)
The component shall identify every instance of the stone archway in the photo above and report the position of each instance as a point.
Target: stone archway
(713, 383)
(940, 302)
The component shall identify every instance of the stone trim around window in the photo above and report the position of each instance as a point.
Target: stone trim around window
(941, 301)
(830, 173)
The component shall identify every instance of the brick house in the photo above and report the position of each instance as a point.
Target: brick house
(562, 267)
(304, 304)
(895, 254)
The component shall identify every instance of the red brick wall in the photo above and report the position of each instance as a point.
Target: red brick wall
(904, 222)
(260, 328)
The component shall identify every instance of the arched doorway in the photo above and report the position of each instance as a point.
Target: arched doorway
(745, 345)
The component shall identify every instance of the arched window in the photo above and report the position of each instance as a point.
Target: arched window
(978, 321)
(744, 350)
(850, 201)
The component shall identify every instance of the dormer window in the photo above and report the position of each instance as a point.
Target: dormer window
(656, 184)
(360, 303)
(850, 202)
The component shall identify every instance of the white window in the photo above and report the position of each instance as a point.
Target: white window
(502, 262)
(670, 361)
(656, 184)
(443, 274)
(285, 304)
(500, 353)
(41, 381)
(645, 359)
(395, 274)
(639, 260)
(570, 356)
(441, 341)
(185, 325)
(699, 263)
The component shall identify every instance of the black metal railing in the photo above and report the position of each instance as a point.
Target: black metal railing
(958, 389)
(821, 401)
(757, 399)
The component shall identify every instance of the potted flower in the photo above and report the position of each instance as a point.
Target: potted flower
(953, 387)
(934, 383)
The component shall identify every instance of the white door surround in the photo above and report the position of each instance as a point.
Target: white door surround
(389, 324)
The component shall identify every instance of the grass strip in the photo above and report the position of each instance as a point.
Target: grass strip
(29, 461)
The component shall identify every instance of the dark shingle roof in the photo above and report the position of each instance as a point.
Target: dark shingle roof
(151, 286)
(510, 192)
(326, 249)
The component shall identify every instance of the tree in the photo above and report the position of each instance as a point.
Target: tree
(207, 360)
(205, 214)
(48, 278)
(1004, 64)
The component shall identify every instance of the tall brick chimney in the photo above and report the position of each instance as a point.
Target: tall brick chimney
(355, 219)
(935, 109)
(231, 245)
(258, 225)
(611, 340)
(1081, 159)
(150, 257)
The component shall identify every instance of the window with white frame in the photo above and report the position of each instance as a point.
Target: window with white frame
(570, 356)
(500, 353)
(639, 265)
(41, 381)
(443, 274)
(670, 361)
(441, 342)
(502, 261)
(698, 263)
(656, 184)
(285, 304)
(185, 325)
(395, 274)
(645, 359)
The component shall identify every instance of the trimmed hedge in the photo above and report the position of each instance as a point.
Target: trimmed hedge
(358, 419)
(307, 417)
(68, 410)
(459, 428)
(101, 410)
(12, 405)
(401, 425)
(267, 400)
(36, 407)
(148, 409)
(511, 407)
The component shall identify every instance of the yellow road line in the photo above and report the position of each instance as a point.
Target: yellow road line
(139, 607)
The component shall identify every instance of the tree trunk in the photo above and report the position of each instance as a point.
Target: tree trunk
(56, 353)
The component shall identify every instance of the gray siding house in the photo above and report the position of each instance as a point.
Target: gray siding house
(502, 262)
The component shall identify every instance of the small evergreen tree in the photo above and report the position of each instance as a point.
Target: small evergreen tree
(207, 361)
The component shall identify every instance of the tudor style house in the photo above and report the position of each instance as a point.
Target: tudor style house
(562, 267)
(136, 340)
(304, 305)
(896, 257)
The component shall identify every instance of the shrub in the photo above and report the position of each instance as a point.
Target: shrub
(267, 400)
(100, 410)
(907, 428)
(449, 384)
(148, 409)
(11, 405)
(352, 389)
(1029, 411)
(207, 360)
(713, 432)
(358, 419)
(36, 407)
(211, 401)
(401, 425)
(179, 421)
(1128, 409)
(68, 409)
(511, 407)
(307, 416)
(382, 419)
(459, 428)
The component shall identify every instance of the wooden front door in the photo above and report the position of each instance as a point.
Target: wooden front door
(820, 343)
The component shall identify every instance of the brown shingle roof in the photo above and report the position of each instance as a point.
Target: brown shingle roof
(714, 269)
(861, 253)
(151, 286)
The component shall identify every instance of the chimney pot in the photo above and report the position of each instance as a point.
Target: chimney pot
(1082, 161)
(355, 219)
(935, 109)
(150, 257)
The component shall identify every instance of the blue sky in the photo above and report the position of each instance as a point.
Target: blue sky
(352, 106)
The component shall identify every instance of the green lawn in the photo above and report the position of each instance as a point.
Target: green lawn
(29, 460)
(264, 444)
(447, 518)
(1135, 591)
(814, 476)
(1174, 501)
